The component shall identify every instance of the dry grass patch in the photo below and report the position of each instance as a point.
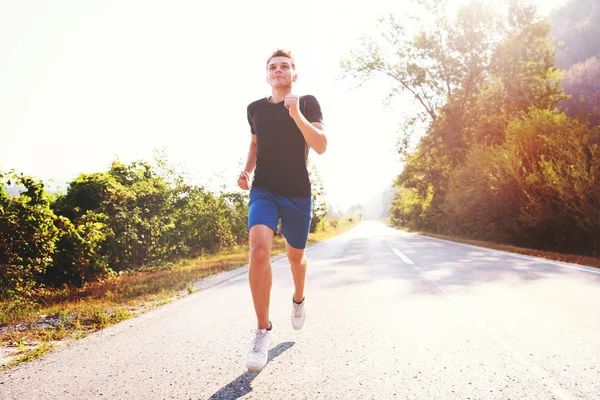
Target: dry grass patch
(28, 355)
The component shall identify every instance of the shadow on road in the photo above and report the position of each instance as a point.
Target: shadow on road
(241, 385)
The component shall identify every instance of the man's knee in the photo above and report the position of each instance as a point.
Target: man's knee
(261, 237)
(259, 254)
(296, 257)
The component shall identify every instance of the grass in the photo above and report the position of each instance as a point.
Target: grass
(29, 355)
(56, 315)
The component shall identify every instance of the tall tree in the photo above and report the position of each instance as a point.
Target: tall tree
(440, 61)
(480, 70)
(524, 62)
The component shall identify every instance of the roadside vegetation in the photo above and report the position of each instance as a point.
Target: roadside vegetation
(503, 143)
(114, 245)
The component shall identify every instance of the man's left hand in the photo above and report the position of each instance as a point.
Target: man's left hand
(292, 102)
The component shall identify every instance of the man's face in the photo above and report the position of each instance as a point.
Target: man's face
(280, 72)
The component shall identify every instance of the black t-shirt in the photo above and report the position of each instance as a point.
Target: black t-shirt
(281, 149)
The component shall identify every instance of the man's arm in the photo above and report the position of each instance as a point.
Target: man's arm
(313, 132)
(244, 178)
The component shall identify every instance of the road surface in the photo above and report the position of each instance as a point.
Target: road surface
(390, 315)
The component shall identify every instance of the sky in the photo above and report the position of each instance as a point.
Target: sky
(83, 83)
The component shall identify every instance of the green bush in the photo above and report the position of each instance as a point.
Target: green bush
(129, 217)
(78, 258)
(27, 235)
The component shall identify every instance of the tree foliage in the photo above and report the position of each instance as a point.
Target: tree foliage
(27, 235)
(131, 216)
(319, 204)
(497, 161)
(582, 83)
(576, 29)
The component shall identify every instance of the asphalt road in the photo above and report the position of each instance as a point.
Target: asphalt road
(390, 315)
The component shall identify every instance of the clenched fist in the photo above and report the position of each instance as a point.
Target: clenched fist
(244, 180)
(292, 103)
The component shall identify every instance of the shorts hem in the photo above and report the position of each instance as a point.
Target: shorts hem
(262, 223)
(294, 247)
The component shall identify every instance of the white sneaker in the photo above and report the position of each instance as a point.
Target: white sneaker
(298, 315)
(259, 349)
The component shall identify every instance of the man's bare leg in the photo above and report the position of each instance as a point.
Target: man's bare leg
(298, 265)
(260, 277)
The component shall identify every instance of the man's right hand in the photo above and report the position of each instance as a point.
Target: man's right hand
(244, 180)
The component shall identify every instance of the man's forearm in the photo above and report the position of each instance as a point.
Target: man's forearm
(314, 136)
(251, 161)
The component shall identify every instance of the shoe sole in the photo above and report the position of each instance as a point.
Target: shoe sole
(256, 369)
(299, 327)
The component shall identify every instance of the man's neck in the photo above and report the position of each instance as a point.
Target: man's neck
(278, 94)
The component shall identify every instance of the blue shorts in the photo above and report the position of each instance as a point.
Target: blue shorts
(266, 208)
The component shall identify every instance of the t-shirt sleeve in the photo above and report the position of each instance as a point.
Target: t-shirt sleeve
(250, 122)
(312, 109)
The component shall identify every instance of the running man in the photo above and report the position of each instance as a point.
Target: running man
(284, 126)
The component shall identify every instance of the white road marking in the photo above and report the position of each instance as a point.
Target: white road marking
(402, 256)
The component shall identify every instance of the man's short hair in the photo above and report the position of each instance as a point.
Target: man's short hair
(282, 53)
